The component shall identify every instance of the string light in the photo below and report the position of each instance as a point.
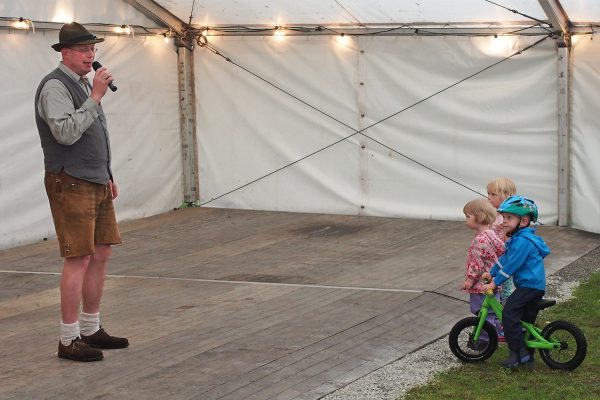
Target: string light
(20, 24)
(498, 46)
(126, 29)
(277, 31)
(343, 39)
(279, 34)
(123, 29)
(23, 23)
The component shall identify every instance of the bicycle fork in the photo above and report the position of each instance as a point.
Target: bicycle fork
(488, 303)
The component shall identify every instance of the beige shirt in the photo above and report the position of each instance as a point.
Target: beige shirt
(55, 106)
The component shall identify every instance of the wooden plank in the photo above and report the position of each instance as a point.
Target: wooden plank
(196, 338)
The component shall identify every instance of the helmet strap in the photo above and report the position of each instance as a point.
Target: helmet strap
(517, 228)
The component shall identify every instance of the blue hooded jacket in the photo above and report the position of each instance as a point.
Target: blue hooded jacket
(523, 260)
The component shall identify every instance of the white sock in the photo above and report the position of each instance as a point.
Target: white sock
(68, 332)
(90, 323)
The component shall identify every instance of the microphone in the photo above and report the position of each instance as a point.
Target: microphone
(97, 65)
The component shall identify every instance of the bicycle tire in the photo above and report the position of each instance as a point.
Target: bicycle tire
(573, 346)
(460, 335)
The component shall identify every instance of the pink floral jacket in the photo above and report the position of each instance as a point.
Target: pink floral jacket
(485, 249)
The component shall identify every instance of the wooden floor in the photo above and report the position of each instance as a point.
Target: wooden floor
(232, 304)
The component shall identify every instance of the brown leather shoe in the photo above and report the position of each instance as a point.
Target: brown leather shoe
(78, 351)
(102, 340)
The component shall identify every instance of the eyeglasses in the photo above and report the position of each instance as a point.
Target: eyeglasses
(84, 49)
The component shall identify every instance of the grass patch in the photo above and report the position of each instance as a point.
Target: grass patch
(488, 380)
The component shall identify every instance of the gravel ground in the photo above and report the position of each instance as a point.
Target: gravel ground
(392, 381)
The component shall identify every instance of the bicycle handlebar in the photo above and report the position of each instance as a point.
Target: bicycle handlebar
(488, 292)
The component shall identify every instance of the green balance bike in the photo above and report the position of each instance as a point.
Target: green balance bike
(561, 344)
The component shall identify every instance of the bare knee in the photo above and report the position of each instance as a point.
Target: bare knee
(102, 253)
(77, 263)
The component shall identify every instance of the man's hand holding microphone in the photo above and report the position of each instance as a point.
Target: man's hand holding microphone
(102, 81)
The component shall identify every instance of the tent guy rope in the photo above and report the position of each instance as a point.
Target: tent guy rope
(519, 13)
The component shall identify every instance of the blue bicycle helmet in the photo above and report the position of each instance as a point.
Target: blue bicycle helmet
(520, 206)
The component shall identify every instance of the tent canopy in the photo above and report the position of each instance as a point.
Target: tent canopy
(359, 12)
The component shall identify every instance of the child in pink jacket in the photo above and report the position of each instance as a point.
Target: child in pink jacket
(484, 251)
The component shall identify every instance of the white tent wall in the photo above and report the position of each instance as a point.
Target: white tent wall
(585, 143)
(247, 128)
(143, 120)
(502, 122)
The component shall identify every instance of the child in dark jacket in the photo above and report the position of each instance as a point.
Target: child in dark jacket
(523, 260)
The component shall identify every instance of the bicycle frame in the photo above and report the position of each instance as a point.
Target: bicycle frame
(533, 335)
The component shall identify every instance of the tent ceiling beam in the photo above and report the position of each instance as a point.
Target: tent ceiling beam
(557, 16)
(420, 31)
(157, 13)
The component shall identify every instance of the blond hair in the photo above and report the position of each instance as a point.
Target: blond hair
(482, 210)
(504, 187)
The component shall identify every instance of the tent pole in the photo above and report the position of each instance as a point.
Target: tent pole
(562, 26)
(564, 127)
(187, 116)
(363, 142)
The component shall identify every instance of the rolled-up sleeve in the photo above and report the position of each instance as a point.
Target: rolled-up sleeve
(67, 124)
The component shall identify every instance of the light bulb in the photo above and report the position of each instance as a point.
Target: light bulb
(21, 24)
(343, 39)
(279, 34)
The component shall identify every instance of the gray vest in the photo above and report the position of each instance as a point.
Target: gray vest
(89, 157)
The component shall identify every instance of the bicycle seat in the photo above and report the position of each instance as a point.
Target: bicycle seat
(545, 303)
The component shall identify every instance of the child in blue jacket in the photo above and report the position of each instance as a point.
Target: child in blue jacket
(523, 260)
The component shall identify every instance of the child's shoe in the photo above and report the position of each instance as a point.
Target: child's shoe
(516, 358)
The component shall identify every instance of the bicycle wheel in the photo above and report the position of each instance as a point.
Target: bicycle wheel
(462, 345)
(573, 345)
